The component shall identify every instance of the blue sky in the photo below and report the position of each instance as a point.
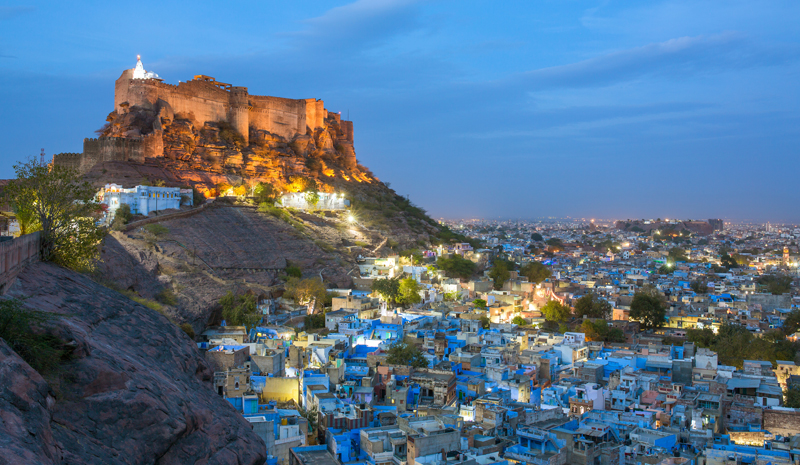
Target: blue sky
(612, 109)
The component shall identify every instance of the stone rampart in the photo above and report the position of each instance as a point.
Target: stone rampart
(111, 149)
(209, 101)
(15, 255)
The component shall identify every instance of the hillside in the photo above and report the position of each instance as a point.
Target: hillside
(133, 390)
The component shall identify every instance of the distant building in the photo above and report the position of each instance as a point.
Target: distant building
(326, 201)
(144, 199)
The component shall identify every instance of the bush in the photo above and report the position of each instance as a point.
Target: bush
(21, 329)
(187, 328)
(156, 229)
(293, 271)
(167, 297)
(123, 213)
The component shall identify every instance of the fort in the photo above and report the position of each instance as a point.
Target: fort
(202, 99)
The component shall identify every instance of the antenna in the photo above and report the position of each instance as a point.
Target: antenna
(41, 156)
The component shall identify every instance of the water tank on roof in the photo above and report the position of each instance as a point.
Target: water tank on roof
(284, 421)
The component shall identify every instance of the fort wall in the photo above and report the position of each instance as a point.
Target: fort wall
(109, 149)
(207, 101)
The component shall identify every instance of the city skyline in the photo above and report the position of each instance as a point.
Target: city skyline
(673, 109)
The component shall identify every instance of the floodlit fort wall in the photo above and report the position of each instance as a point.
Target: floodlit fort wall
(202, 99)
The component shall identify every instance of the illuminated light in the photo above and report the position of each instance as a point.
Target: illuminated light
(351, 219)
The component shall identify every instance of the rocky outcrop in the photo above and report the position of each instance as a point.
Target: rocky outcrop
(135, 390)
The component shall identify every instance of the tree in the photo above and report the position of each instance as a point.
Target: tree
(64, 207)
(727, 261)
(677, 254)
(664, 269)
(457, 266)
(554, 310)
(599, 330)
(480, 303)
(535, 272)
(408, 292)
(401, 353)
(537, 237)
(240, 310)
(500, 273)
(387, 288)
(519, 321)
(792, 396)
(776, 285)
(649, 310)
(701, 337)
(792, 323)
(485, 322)
(315, 321)
(309, 291)
(264, 192)
(592, 306)
(312, 198)
(699, 286)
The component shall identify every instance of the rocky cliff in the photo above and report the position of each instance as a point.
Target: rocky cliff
(134, 391)
(208, 154)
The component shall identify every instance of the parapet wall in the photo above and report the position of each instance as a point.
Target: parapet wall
(15, 255)
(110, 149)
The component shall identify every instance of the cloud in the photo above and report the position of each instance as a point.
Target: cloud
(361, 23)
(674, 57)
(11, 12)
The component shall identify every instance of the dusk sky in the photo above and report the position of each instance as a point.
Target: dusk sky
(608, 109)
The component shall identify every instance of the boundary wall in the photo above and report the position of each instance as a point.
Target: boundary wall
(15, 255)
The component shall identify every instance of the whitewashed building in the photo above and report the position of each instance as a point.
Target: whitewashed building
(327, 201)
(144, 199)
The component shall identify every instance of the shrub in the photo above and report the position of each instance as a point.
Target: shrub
(167, 297)
(156, 229)
(18, 327)
(294, 271)
(187, 328)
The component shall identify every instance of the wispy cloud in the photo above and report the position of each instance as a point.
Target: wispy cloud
(361, 23)
(679, 56)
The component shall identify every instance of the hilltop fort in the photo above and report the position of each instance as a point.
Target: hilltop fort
(211, 126)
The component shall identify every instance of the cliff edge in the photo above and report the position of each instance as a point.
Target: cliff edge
(135, 389)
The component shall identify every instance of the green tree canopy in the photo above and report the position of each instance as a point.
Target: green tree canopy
(480, 303)
(776, 285)
(63, 206)
(519, 321)
(485, 322)
(599, 330)
(792, 322)
(240, 309)
(401, 353)
(387, 288)
(727, 261)
(408, 292)
(535, 272)
(309, 291)
(592, 306)
(537, 237)
(701, 337)
(554, 310)
(500, 273)
(264, 192)
(457, 266)
(648, 310)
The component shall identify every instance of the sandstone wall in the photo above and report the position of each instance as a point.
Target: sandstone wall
(205, 101)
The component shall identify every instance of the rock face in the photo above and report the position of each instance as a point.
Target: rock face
(136, 390)
(205, 154)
